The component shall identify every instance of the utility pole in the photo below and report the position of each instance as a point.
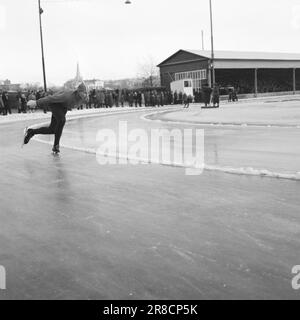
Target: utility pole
(42, 45)
(212, 44)
(202, 35)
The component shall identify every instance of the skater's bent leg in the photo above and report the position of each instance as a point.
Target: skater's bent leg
(60, 117)
(46, 130)
(58, 131)
(56, 126)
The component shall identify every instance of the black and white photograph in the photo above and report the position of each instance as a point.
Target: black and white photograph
(149, 151)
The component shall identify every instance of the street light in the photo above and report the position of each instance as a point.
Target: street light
(42, 45)
(212, 44)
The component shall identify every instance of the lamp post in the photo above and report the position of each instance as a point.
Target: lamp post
(212, 66)
(42, 45)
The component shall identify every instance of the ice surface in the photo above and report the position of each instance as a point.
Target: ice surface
(270, 149)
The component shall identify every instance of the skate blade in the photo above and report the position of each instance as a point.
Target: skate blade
(25, 131)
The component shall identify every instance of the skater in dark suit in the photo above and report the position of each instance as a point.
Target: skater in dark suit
(59, 104)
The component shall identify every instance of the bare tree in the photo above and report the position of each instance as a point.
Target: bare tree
(148, 71)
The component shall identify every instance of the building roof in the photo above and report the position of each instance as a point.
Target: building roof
(247, 55)
(236, 59)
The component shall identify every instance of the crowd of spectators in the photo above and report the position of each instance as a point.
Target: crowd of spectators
(19, 100)
(130, 98)
(148, 97)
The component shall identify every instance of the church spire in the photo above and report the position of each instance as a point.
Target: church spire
(78, 77)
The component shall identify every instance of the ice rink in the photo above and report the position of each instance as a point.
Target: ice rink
(71, 228)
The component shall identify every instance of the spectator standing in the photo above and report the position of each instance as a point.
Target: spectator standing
(162, 98)
(97, 102)
(198, 96)
(147, 99)
(6, 103)
(18, 101)
(139, 98)
(230, 95)
(116, 98)
(130, 99)
(122, 98)
(159, 102)
(175, 97)
(135, 99)
(180, 98)
(23, 103)
(143, 99)
(102, 99)
(106, 99)
(234, 95)
(32, 97)
(89, 104)
(1, 104)
(216, 96)
(190, 99)
(94, 98)
(170, 98)
(206, 94)
(156, 102)
(110, 100)
(185, 101)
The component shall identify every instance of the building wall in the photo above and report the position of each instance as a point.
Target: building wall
(167, 72)
(94, 84)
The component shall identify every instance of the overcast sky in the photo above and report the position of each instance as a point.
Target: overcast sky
(110, 39)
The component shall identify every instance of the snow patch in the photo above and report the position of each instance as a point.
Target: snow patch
(148, 116)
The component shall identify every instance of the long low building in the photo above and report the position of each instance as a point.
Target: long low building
(249, 72)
